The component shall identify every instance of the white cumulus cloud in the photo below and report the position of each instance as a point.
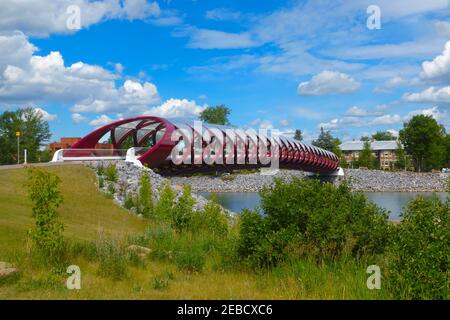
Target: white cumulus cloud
(78, 118)
(44, 17)
(328, 82)
(45, 115)
(101, 121)
(432, 94)
(29, 78)
(439, 67)
(176, 108)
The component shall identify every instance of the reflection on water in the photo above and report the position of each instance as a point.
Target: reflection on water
(392, 201)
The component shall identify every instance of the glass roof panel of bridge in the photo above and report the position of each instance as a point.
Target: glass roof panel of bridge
(142, 132)
(122, 130)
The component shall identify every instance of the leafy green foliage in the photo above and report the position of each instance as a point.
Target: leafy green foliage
(101, 182)
(145, 198)
(111, 173)
(326, 141)
(191, 259)
(111, 190)
(423, 139)
(319, 220)
(447, 151)
(166, 203)
(211, 219)
(34, 133)
(43, 191)
(100, 170)
(216, 115)
(128, 203)
(366, 158)
(113, 260)
(383, 136)
(183, 210)
(298, 135)
(419, 258)
(160, 282)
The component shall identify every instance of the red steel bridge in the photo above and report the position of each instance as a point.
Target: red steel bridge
(166, 144)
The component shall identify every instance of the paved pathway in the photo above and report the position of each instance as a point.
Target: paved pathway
(43, 164)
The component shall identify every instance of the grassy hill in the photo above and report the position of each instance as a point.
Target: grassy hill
(88, 216)
(86, 213)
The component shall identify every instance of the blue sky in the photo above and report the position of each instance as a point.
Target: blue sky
(276, 64)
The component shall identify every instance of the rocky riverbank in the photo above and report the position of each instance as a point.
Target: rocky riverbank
(128, 182)
(378, 180)
(359, 180)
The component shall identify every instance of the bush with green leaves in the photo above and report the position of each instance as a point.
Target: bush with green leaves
(47, 233)
(111, 173)
(183, 210)
(145, 199)
(419, 257)
(100, 170)
(113, 260)
(166, 202)
(111, 190)
(161, 239)
(101, 182)
(211, 220)
(322, 220)
(128, 203)
(191, 258)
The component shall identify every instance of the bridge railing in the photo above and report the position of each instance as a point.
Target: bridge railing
(89, 154)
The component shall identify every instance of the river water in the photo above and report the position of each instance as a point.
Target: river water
(392, 201)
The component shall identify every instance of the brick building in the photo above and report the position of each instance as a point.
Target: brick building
(65, 143)
(383, 151)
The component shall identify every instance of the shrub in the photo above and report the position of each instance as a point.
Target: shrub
(86, 249)
(211, 219)
(259, 247)
(43, 190)
(161, 239)
(100, 170)
(419, 259)
(128, 203)
(191, 259)
(322, 220)
(113, 260)
(101, 182)
(160, 283)
(111, 173)
(111, 190)
(183, 210)
(165, 205)
(145, 198)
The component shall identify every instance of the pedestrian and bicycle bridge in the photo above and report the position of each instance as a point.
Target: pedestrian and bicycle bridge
(183, 145)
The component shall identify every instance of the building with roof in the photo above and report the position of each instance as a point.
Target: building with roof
(66, 143)
(383, 151)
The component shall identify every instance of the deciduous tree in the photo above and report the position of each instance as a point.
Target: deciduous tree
(216, 115)
(423, 139)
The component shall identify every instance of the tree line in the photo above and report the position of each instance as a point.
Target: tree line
(34, 134)
(423, 143)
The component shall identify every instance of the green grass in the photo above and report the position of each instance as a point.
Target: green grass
(89, 217)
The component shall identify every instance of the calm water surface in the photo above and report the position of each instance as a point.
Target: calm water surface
(392, 201)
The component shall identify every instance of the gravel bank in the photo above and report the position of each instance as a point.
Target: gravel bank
(360, 180)
(128, 182)
(377, 180)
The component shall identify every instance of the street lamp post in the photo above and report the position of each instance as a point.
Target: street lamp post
(18, 146)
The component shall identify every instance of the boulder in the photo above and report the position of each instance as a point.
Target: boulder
(142, 252)
(6, 270)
